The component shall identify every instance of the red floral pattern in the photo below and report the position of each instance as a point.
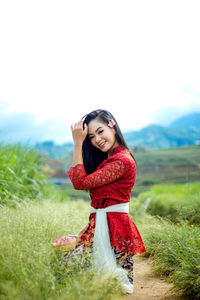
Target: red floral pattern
(111, 184)
(82, 181)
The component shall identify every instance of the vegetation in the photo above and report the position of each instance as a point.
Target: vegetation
(174, 202)
(21, 176)
(171, 233)
(175, 253)
(29, 266)
(166, 166)
(158, 166)
(167, 217)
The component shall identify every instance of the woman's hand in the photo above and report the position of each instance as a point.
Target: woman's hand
(74, 235)
(78, 235)
(79, 134)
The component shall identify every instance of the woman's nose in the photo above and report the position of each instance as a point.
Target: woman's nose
(97, 139)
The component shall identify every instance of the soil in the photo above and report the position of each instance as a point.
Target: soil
(147, 285)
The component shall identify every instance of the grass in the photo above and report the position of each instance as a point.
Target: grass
(175, 253)
(174, 247)
(31, 269)
(175, 202)
(21, 175)
(29, 266)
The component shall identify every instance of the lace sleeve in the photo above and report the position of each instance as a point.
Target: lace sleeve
(103, 176)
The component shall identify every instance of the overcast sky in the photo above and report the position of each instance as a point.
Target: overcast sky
(61, 59)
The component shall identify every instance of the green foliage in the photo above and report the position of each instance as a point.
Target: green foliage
(175, 253)
(175, 202)
(168, 166)
(137, 211)
(21, 176)
(55, 193)
(29, 266)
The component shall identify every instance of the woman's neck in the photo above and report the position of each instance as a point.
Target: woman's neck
(109, 152)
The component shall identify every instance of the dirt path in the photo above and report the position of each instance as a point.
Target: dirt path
(147, 285)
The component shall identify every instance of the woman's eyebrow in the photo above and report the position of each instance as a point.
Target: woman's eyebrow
(95, 130)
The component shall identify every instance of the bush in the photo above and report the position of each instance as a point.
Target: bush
(21, 176)
(174, 202)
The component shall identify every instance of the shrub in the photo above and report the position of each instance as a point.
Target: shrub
(21, 176)
(174, 202)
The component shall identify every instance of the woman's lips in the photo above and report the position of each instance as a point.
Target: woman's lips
(102, 145)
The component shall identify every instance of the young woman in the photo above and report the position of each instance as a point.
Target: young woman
(104, 165)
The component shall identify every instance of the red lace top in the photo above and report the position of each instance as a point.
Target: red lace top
(111, 184)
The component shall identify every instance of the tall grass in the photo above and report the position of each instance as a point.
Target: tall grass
(175, 253)
(21, 176)
(31, 269)
(29, 266)
(173, 240)
(175, 202)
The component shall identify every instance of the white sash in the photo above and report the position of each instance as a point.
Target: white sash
(104, 257)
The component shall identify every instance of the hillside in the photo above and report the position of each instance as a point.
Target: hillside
(186, 122)
(184, 131)
(172, 165)
(155, 136)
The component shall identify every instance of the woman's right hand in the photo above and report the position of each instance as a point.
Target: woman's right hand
(78, 133)
(74, 235)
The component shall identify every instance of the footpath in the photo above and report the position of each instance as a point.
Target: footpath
(147, 285)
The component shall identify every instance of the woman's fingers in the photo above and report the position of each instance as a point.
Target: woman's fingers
(85, 127)
(79, 131)
(78, 124)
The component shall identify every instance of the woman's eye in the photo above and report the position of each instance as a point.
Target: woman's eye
(100, 131)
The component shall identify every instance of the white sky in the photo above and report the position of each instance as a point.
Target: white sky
(138, 59)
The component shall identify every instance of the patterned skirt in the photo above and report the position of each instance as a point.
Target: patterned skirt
(125, 260)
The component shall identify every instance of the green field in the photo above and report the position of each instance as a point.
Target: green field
(33, 213)
(30, 267)
(166, 166)
(174, 202)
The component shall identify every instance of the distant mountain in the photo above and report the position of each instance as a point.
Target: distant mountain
(187, 122)
(182, 132)
(152, 137)
(155, 136)
(48, 148)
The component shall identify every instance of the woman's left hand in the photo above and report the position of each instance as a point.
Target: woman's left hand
(79, 134)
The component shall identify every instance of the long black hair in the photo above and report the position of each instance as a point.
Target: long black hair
(92, 156)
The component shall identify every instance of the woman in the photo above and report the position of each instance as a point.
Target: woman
(104, 165)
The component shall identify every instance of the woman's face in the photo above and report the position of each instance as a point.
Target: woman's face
(102, 136)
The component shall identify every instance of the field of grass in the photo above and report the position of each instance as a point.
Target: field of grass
(31, 269)
(175, 202)
(29, 266)
(167, 166)
(173, 248)
(33, 213)
(175, 253)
